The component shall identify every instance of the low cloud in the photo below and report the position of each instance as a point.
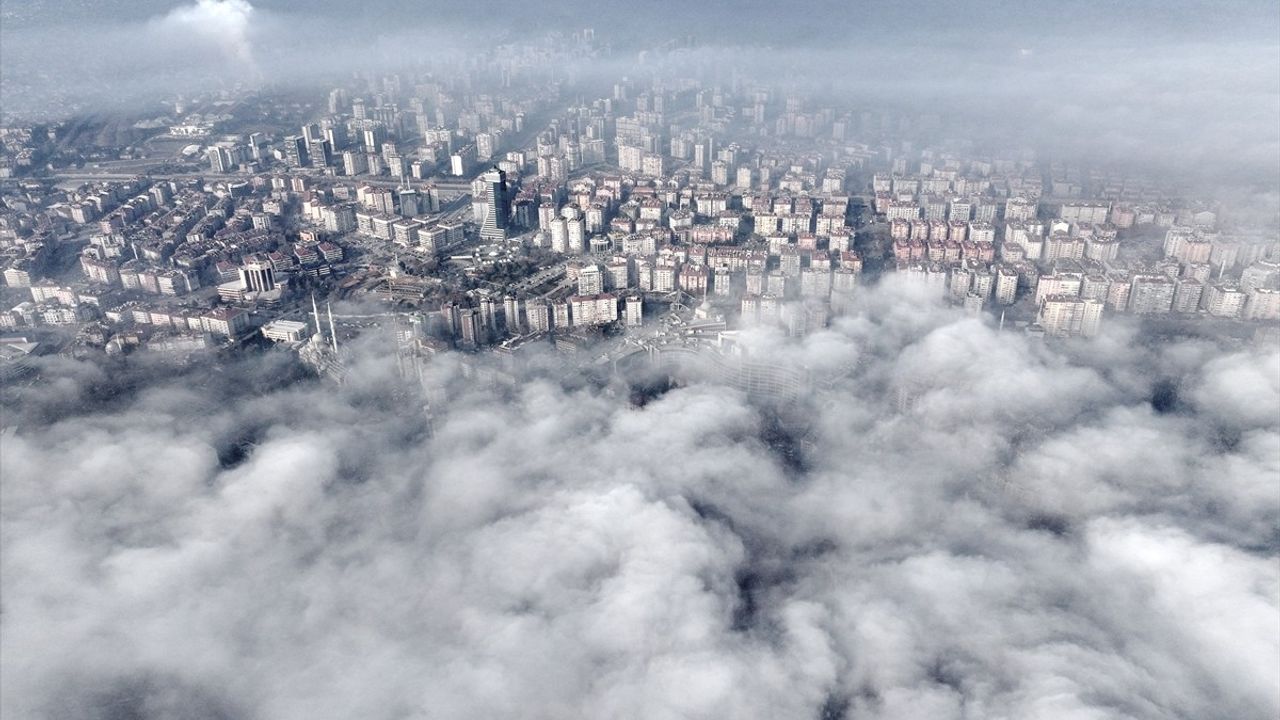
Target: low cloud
(1027, 537)
(222, 24)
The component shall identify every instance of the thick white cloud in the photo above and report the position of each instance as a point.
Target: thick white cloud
(1028, 539)
(223, 24)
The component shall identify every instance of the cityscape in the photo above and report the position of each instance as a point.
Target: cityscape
(578, 371)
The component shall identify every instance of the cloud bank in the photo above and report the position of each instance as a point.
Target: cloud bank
(1027, 537)
(223, 24)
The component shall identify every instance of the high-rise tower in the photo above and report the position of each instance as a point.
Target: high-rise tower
(494, 205)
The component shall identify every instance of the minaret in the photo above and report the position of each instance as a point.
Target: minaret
(332, 329)
(315, 314)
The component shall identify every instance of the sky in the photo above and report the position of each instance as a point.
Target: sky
(1032, 537)
(1182, 87)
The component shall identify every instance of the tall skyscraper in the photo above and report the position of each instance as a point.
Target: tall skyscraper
(470, 328)
(354, 163)
(511, 315)
(409, 205)
(319, 153)
(258, 274)
(494, 206)
(337, 101)
(257, 142)
(1149, 294)
(336, 135)
(295, 151)
(635, 311)
(373, 138)
(219, 159)
(1070, 316)
(590, 280)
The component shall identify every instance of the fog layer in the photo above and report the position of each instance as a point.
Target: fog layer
(1027, 537)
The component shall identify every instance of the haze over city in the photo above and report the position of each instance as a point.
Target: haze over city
(835, 361)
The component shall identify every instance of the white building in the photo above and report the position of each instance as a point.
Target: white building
(1067, 316)
(285, 331)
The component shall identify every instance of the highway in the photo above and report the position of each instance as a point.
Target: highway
(82, 176)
